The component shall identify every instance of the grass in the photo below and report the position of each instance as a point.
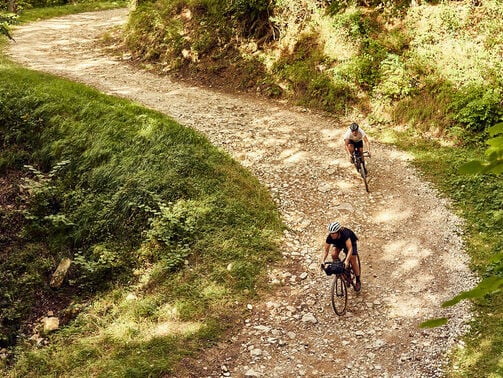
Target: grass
(34, 14)
(477, 199)
(155, 218)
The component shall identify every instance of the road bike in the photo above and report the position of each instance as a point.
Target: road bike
(359, 162)
(344, 279)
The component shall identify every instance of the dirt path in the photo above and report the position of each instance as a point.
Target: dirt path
(403, 224)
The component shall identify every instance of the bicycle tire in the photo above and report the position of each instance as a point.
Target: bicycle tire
(339, 295)
(364, 176)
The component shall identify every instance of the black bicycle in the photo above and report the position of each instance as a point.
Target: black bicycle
(359, 162)
(344, 278)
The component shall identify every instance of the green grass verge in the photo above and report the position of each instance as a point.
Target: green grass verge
(171, 232)
(479, 200)
(35, 14)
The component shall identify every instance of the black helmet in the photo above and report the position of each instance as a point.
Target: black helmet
(353, 126)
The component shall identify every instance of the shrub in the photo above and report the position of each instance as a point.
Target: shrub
(395, 80)
(475, 108)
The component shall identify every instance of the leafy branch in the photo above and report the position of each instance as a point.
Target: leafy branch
(5, 21)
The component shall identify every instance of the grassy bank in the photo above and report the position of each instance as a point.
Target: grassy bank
(156, 220)
(27, 13)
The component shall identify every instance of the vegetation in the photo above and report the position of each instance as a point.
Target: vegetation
(423, 76)
(156, 220)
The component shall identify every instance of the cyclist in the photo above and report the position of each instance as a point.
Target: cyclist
(342, 238)
(354, 138)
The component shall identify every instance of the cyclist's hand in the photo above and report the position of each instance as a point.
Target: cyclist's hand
(346, 263)
(370, 155)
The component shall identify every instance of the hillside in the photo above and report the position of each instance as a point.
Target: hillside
(296, 153)
(434, 68)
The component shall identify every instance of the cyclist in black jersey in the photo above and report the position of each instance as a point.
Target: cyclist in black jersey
(343, 239)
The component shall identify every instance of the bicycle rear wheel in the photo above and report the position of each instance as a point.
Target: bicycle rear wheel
(339, 295)
(363, 173)
(359, 268)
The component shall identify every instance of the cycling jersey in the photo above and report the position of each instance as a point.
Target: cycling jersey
(340, 242)
(355, 138)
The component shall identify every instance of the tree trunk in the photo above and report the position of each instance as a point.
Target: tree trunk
(12, 6)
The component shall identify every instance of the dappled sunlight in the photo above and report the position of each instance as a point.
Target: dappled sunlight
(392, 214)
(170, 328)
(147, 130)
(212, 290)
(128, 330)
(123, 330)
(403, 306)
(168, 312)
(411, 303)
(406, 256)
(406, 306)
(256, 154)
(292, 156)
(333, 138)
(404, 248)
(344, 185)
(398, 155)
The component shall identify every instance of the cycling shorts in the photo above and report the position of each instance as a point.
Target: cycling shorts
(358, 144)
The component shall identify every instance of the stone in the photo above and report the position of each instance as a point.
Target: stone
(50, 323)
(59, 275)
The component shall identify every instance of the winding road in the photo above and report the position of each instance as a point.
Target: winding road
(411, 251)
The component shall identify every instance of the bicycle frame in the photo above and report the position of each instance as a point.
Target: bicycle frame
(359, 162)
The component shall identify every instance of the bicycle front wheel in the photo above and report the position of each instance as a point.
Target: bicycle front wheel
(339, 295)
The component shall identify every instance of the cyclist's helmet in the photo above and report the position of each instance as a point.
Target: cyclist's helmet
(353, 126)
(334, 227)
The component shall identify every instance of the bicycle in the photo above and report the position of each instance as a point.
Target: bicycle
(359, 162)
(343, 279)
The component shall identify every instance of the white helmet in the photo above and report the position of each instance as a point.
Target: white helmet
(334, 227)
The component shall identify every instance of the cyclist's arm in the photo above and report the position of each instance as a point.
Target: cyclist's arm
(367, 142)
(326, 249)
(349, 247)
(346, 144)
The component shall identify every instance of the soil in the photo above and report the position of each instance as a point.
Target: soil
(409, 240)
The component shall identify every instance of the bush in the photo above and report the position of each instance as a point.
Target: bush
(395, 82)
(475, 108)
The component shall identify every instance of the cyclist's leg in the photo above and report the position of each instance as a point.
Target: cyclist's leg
(335, 253)
(351, 148)
(354, 264)
(354, 261)
(359, 145)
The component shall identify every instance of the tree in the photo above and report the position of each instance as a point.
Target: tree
(5, 21)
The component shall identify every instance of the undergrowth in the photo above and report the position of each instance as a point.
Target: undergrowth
(155, 219)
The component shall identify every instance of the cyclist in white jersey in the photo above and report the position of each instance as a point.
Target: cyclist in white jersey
(354, 138)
